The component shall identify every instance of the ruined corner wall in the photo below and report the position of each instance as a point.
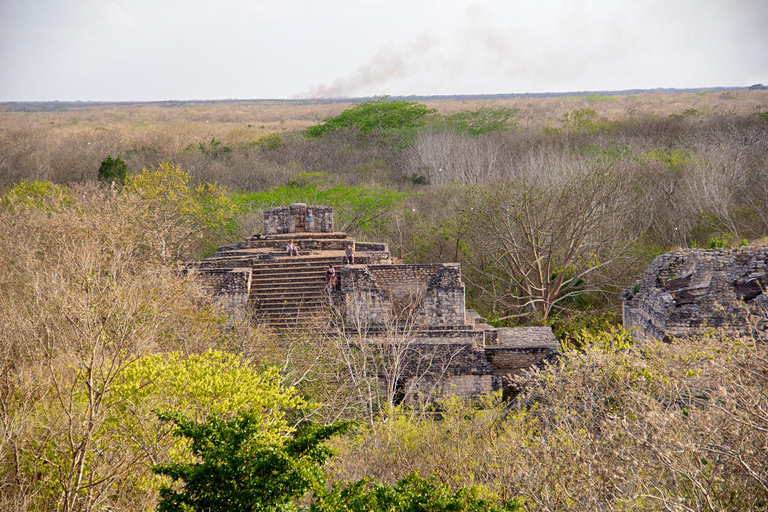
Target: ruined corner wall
(298, 218)
(516, 349)
(683, 292)
(373, 295)
(231, 285)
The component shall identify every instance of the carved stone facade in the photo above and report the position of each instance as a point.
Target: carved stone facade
(687, 291)
(298, 218)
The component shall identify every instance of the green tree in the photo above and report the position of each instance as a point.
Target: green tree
(113, 170)
(239, 469)
(411, 494)
(185, 218)
(381, 113)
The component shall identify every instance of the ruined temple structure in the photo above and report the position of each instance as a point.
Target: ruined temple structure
(691, 291)
(443, 344)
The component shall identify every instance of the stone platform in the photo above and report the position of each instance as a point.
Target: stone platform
(445, 346)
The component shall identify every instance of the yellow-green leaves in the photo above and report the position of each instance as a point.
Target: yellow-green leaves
(36, 194)
(186, 217)
(201, 384)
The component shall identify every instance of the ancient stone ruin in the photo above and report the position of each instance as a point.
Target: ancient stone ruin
(695, 290)
(441, 344)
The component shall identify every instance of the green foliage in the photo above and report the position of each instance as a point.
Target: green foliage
(574, 332)
(674, 159)
(355, 207)
(583, 120)
(238, 470)
(410, 494)
(201, 212)
(689, 112)
(380, 113)
(719, 241)
(611, 152)
(597, 97)
(271, 141)
(214, 149)
(763, 116)
(195, 386)
(36, 194)
(214, 382)
(113, 170)
(309, 179)
(482, 121)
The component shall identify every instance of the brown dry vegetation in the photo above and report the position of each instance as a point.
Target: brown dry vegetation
(649, 426)
(68, 143)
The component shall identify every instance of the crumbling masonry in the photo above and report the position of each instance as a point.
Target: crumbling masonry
(448, 346)
(689, 291)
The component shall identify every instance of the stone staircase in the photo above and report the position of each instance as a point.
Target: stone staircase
(289, 291)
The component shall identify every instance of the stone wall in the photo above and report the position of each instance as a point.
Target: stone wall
(375, 294)
(231, 285)
(298, 218)
(687, 291)
(517, 349)
(416, 313)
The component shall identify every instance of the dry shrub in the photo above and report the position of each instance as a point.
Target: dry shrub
(83, 295)
(649, 426)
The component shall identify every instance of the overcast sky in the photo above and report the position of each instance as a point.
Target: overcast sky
(218, 49)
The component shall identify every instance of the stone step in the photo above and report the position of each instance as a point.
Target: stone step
(290, 270)
(289, 261)
(302, 244)
(288, 283)
(297, 315)
(277, 280)
(303, 297)
(287, 293)
(286, 269)
(295, 324)
(293, 306)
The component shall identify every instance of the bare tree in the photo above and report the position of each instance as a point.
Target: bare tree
(547, 240)
(383, 359)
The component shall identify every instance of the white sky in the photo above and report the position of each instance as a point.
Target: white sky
(145, 50)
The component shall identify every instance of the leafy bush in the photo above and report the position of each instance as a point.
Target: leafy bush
(482, 121)
(411, 494)
(113, 171)
(381, 113)
(36, 194)
(581, 120)
(674, 159)
(271, 141)
(214, 149)
(597, 97)
(238, 470)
